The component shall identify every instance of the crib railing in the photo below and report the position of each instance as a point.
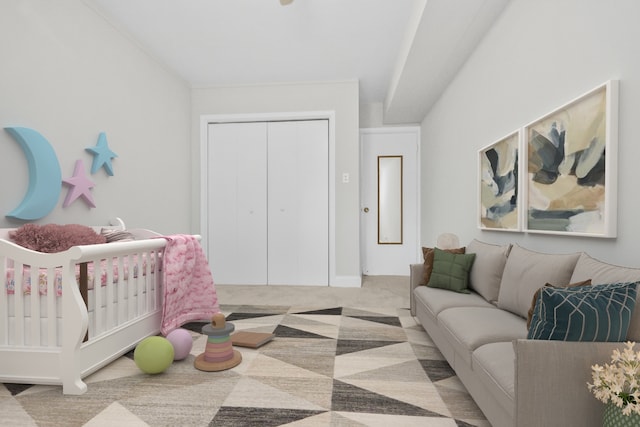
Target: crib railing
(16, 304)
(124, 285)
(83, 308)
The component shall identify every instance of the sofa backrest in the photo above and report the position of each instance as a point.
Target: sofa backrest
(527, 271)
(486, 272)
(602, 273)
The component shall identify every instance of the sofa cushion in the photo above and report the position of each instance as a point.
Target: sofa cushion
(494, 365)
(451, 271)
(486, 271)
(468, 328)
(435, 300)
(585, 313)
(427, 254)
(600, 273)
(527, 271)
(536, 295)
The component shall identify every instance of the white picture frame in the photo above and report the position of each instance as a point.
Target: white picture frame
(499, 171)
(570, 167)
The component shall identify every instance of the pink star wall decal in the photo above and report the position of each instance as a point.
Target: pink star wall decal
(80, 186)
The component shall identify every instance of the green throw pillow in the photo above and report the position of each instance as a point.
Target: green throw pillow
(451, 271)
(584, 313)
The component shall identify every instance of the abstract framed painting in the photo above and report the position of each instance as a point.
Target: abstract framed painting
(499, 204)
(571, 167)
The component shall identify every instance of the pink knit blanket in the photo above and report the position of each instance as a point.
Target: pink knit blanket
(189, 292)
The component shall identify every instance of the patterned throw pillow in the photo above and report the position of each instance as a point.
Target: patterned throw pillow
(427, 254)
(537, 295)
(584, 313)
(451, 271)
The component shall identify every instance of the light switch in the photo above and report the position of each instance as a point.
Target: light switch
(345, 177)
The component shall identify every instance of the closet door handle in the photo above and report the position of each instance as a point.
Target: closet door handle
(366, 210)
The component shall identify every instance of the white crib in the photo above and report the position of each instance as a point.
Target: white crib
(110, 299)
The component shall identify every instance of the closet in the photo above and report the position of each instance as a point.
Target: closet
(268, 202)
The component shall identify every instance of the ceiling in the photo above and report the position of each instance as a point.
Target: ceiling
(402, 52)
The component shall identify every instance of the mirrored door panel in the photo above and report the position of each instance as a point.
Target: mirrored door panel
(390, 200)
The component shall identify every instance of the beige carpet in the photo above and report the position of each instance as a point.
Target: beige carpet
(376, 291)
(329, 365)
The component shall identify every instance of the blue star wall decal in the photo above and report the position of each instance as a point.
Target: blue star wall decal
(80, 186)
(102, 155)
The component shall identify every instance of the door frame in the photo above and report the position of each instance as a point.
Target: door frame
(207, 119)
(389, 130)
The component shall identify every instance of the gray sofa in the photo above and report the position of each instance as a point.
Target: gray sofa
(483, 335)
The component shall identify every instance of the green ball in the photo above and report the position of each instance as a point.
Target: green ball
(153, 355)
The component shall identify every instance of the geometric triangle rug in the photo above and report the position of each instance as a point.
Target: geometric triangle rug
(326, 366)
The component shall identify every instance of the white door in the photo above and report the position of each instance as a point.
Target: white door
(237, 202)
(389, 200)
(298, 200)
(268, 202)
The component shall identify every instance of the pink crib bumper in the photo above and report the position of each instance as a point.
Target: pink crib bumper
(10, 282)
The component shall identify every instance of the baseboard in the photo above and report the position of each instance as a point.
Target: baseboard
(347, 282)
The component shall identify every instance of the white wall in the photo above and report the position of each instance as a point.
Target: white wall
(372, 116)
(67, 73)
(341, 97)
(538, 56)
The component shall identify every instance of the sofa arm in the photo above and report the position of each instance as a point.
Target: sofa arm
(551, 382)
(416, 273)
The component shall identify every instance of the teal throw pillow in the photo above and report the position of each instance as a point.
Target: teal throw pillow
(451, 271)
(584, 313)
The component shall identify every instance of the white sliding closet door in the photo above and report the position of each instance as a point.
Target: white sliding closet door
(298, 202)
(238, 202)
(268, 202)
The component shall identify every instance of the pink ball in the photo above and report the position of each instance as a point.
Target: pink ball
(182, 343)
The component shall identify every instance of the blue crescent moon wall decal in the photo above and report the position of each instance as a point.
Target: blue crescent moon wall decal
(45, 175)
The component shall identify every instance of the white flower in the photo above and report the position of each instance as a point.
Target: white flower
(619, 382)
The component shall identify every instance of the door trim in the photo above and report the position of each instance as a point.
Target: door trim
(393, 130)
(207, 119)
